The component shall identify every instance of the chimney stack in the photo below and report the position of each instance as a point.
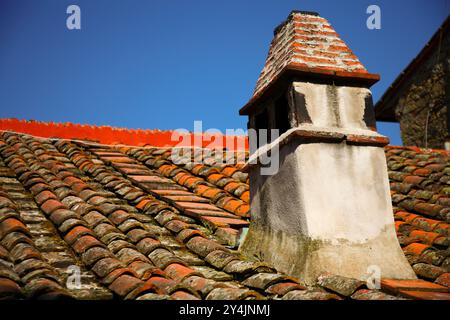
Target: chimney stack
(328, 207)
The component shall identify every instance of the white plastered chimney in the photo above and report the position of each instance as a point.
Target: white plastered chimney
(327, 208)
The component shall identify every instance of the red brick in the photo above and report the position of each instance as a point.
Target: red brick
(316, 60)
(339, 48)
(305, 25)
(307, 18)
(327, 33)
(352, 63)
(326, 54)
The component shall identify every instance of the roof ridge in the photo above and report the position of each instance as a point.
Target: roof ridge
(4, 126)
(105, 134)
(420, 150)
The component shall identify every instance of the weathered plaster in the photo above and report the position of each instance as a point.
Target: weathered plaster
(334, 106)
(327, 209)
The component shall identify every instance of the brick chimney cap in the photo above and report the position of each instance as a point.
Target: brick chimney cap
(306, 47)
(293, 12)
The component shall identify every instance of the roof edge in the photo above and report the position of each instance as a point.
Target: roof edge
(112, 135)
(312, 74)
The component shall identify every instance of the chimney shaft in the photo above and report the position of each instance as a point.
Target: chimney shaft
(328, 207)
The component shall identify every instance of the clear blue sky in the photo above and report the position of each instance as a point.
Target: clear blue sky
(163, 64)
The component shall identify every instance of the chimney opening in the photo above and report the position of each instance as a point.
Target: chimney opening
(369, 114)
(262, 122)
(282, 114)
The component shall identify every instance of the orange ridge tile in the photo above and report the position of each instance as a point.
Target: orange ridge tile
(105, 134)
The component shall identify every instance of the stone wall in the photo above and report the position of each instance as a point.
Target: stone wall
(423, 105)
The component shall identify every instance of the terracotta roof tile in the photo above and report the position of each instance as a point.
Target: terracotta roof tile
(143, 226)
(396, 286)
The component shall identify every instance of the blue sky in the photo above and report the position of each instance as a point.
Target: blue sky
(163, 64)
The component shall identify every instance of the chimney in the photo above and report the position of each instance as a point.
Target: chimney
(327, 208)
